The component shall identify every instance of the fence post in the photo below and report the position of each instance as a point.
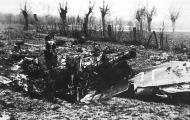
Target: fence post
(109, 31)
(154, 33)
(147, 45)
(134, 34)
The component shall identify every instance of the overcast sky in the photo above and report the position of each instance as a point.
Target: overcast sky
(118, 8)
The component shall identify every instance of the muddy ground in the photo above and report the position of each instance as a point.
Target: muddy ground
(16, 104)
(21, 106)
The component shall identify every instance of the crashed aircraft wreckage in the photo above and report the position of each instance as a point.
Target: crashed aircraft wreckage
(163, 81)
(78, 69)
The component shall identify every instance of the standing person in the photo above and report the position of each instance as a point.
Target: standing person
(51, 64)
(50, 51)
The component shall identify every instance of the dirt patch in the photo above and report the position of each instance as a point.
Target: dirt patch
(22, 106)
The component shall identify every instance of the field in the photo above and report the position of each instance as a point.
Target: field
(19, 105)
(180, 38)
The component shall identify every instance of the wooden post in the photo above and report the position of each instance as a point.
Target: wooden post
(154, 33)
(110, 31)
(134, 34)
(162, 40)
(78, 94)
(149, 41)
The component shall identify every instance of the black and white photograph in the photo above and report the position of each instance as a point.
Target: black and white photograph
(94, 59)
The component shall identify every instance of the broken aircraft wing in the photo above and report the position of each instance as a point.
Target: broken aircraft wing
(170, 77)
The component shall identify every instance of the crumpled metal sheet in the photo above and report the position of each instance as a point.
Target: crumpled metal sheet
(171, 77)
(177, 88)
(4, 80)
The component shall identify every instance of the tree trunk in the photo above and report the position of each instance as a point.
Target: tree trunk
(156, 39)
(85, 25)
(25, 14)
(141, 26)
(141, 31)
(63, 18)
(26, 23)
(103, 26)
(173, 26)
(149, 26)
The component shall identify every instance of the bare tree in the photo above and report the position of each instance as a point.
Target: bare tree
(104, 11)
(139, 15)
(149, 15)
(63, 15)
(85, 25)
(25, 14)
(174, 15)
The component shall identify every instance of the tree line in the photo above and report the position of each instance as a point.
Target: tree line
(87, 24)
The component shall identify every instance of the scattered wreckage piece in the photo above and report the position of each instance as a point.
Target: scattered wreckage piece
(4, 80)
(172, 72)
(169, 78)
(84, 67)
(164, 81)
(123, 86)
(26, 51)
(115, 76)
